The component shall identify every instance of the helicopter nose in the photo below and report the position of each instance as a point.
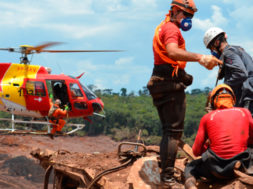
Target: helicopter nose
(98, 105)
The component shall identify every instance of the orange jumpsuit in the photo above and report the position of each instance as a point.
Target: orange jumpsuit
(57, 119)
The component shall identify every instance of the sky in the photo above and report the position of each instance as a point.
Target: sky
(115, 25)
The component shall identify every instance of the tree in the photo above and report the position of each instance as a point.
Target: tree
(92, 87)
(144, 91)
(123, 92)
(195, 91)
(207, 90)
(107, 91)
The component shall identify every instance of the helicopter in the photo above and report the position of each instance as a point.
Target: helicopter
(27, 90)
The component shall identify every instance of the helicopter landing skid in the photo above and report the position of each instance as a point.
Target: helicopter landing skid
(13, 130)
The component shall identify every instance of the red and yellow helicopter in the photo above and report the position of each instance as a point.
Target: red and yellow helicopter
(26, 89)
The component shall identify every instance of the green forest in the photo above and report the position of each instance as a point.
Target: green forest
(128, 113)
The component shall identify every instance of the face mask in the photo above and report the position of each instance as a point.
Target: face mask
(186, 24)
(215, 53)
(223, 101)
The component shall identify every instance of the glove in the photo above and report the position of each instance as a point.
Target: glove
(209, 61)
(66, 107)
(51, 96)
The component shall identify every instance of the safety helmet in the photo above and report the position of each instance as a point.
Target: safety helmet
(58, 101)
(186, 5)
(210, 34)
(224, 91)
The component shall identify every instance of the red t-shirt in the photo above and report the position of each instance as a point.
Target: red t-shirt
(229, 132)
(169, 33)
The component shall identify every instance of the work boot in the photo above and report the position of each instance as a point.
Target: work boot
(51, 136)
(59, 132)
(167, 183)
(167, 178)
(190, 183)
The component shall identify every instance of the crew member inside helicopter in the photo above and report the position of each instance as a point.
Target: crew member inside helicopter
(56, 115)
(60, 92)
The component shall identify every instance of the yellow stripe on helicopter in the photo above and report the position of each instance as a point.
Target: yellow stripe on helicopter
(13, 81)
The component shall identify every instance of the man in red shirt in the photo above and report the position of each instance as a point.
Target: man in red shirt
(222, 139)
(169, 80)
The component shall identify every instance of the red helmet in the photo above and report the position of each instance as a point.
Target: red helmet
(185, 5)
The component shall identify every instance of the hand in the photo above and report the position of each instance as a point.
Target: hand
(66, 107)
(209, 61)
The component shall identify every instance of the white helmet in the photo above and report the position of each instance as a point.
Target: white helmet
(210, 34)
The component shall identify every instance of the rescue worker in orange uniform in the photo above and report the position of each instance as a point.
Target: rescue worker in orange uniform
(169, 80)
(56, 115)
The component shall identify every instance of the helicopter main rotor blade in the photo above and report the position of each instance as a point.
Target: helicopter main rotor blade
(71, 51)
(7, 49)
(39, 48)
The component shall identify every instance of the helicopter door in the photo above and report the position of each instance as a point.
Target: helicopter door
(77, 97)
(35, 95)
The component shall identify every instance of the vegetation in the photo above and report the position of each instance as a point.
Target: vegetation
(127, 113)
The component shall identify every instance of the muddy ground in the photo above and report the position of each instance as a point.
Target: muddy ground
(18, 169)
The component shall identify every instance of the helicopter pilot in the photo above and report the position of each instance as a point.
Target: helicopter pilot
(56, 115)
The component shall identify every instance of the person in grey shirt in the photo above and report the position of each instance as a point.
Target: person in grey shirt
(237, 68)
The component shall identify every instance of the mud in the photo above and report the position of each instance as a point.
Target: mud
(18, 169)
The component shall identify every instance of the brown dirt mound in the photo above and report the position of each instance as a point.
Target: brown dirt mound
(19, 170)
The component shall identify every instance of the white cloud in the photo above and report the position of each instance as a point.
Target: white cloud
(144, 4)
(77, 31)
(19, 14)
(217, 19)
(68, 7)
(124, 61)
(86, 66)
(210, 78)
(121, 80)
(122, 73)
(100, 83)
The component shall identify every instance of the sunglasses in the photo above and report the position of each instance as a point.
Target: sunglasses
(188, 15)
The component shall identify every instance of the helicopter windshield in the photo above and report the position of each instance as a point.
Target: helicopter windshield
(75, 90)
(90, 95)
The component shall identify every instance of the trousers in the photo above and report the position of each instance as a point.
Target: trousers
(169, 99)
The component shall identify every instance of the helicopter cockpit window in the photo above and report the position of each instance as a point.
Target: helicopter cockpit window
(35, 88)
(75, 90)
(90, 95)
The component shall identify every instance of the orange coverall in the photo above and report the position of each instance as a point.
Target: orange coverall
(58, 121)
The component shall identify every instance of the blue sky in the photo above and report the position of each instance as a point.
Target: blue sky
(115, 24)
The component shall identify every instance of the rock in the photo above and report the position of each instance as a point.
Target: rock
(144, 173)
